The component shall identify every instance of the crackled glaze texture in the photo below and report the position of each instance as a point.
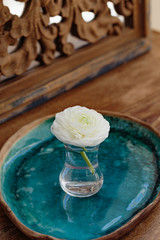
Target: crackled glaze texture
(129, 160)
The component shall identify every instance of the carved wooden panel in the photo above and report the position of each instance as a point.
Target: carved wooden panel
(116, 33)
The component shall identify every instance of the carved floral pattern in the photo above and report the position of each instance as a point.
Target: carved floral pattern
(33, 27)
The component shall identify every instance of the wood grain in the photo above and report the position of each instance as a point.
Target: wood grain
(84, 71)
(133, 89)
(108, 40)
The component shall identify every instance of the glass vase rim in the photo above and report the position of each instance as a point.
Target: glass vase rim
(81, 148)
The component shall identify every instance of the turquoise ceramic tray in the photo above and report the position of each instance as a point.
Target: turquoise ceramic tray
(31, 196)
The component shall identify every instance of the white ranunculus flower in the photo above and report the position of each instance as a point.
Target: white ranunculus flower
(80, 126)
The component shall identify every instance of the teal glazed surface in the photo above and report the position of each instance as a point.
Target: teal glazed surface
(129, 160)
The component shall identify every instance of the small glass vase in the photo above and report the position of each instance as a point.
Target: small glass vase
(76, 178)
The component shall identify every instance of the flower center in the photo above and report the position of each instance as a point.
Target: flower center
(84, 120)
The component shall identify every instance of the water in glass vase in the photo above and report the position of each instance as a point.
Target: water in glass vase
(77, 178)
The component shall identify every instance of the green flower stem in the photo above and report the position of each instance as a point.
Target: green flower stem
(86, 159)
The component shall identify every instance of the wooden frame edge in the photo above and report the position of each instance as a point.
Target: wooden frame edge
(32, 97)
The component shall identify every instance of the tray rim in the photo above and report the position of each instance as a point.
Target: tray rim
(126, 228)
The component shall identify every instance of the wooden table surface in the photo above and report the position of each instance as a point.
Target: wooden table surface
(133, 89)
